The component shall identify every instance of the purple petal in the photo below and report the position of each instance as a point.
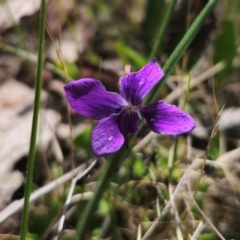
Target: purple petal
(106, 136)
(167, 119)
(129, 123)
(89, 98)
(135, 86)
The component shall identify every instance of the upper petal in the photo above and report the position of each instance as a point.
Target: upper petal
(167, 119)
(89, 98)
(135, 86)
(106, 136)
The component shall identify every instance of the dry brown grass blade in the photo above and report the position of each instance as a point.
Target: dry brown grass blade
(190, 195)
(18, 205)
(196, 81)
(201, 226)
(222, 161)
(196, 164)
(213, 134)
(70, 193)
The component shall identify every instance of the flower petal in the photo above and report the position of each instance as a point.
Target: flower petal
(129, 123)
(135, 86)
(89, 98)
(167, 119)
(106, 136)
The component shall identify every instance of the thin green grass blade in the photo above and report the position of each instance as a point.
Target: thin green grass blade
(187, 91)
(162, 29)
(181, 47)
(103, 181)
(31, 158)
(102, 184)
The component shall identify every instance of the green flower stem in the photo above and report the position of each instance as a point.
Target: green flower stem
(101, 186)
(102, 183)
(116, 159)
(31, 158)
(162, 29)
(181, 47)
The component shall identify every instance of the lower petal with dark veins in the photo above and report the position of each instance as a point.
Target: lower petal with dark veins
(106, 136)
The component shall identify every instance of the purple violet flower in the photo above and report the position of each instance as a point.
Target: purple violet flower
(119, 114)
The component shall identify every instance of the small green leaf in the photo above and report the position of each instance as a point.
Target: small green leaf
(126, 53)
(139, 167)
(104, 207)
(207, 236)
(162, 161)
(176, 174)
(40, 221)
